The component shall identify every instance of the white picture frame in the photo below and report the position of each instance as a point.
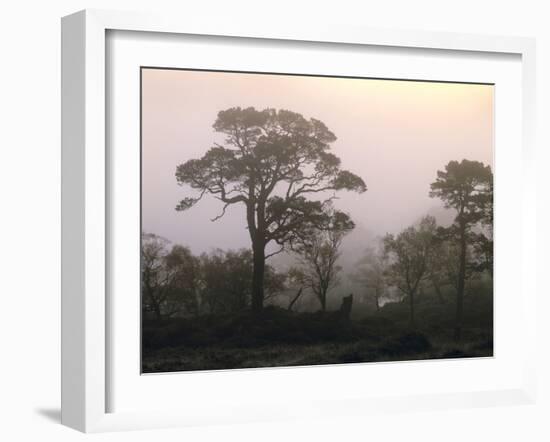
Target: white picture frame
(86, 205)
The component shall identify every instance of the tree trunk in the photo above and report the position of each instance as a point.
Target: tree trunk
(490, 264)
(437, 288)
(258, 251)
(156, 311)
(295, 299)
(461, 282)
(345, 308)
(377, 299)
(323, 299)
(411, 303)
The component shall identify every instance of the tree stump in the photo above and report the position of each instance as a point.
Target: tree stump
(345, 308)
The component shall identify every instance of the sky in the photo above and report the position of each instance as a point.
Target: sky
(395, 134)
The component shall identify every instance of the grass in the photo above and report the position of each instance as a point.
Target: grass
(221, 357)
(281, 338)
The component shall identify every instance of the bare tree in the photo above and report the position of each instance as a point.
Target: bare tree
(318, 254)
(410, 254)
(168, 277)
(183, 273)
(153, 250)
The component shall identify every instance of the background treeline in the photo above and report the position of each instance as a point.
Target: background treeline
(425, 258)
(177, 283)
(420, 262)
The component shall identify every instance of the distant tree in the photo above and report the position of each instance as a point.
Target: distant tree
(318, 254)
(483, 253)
(410, 254)
(483, 241)
(370, 273)
(168, 277)
(487, 205)
(183, 271)
(226, 280)
(442, 270)
(467, 188)
(153, 250)
(271, 162)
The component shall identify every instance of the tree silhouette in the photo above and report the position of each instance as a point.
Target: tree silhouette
(443, 269)
(169, 278)
(410, 255)
(318, 255)
(226, 280)
(184, 283)
(483, 242)
(271, 161)
(467, 188)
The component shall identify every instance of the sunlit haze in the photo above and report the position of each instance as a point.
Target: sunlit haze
(394, 134)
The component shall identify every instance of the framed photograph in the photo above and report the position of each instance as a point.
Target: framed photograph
(265, 223)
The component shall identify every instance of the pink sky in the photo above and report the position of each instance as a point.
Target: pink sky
(394, 134)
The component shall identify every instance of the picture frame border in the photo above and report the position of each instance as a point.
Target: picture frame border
(85, 203)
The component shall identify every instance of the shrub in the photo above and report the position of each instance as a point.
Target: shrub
(406, 344)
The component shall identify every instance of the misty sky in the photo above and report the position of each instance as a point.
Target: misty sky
(394, 134)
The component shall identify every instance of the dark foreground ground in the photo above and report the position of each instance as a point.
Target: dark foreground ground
(282, 338)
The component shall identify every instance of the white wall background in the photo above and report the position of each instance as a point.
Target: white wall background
(30, 215)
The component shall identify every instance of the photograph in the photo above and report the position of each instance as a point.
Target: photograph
(303, 219)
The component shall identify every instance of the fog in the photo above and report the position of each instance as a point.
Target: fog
(394, 134)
